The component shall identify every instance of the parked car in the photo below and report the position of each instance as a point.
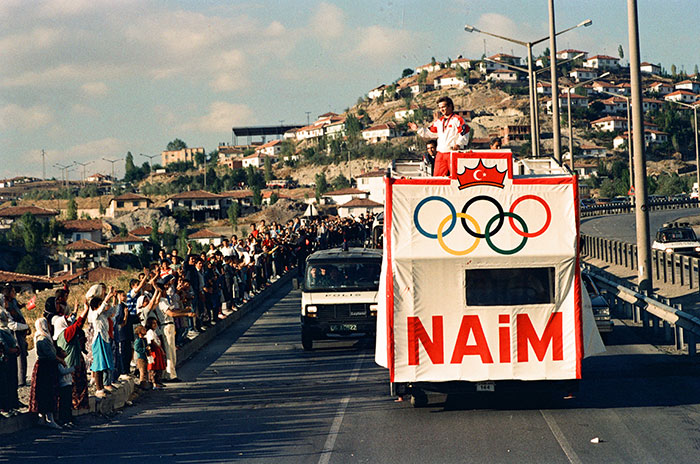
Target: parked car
(601, 309)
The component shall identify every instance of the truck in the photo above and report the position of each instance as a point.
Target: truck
(339, 294)
(481, 285)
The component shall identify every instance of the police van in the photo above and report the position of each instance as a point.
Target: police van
(339, 294)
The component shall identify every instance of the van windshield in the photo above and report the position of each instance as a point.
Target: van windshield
(350, 275)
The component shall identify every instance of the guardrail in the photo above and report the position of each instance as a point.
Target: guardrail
(669, 268)
(621, 207)
(661, 318)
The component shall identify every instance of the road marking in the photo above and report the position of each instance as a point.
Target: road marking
(338, 419)
(561, 439)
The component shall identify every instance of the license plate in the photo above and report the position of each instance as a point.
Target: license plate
(485, 386)
(344, 328)
(358, 312)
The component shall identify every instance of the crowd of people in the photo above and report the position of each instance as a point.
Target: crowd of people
(110, 334)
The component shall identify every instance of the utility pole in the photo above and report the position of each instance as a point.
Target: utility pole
(64, 171)
(43, 164)
(640, 168)
(83, 165)
(150, 166)
(555, 85)
(308, 113)
(112, 162)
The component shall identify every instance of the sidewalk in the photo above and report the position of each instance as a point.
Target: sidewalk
(120, 397)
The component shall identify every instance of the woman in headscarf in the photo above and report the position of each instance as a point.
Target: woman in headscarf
(68, 337)
(43, 394)
(8, 363)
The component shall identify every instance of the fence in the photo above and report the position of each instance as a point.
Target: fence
(621, 207)
(669, 268)
(656, 316)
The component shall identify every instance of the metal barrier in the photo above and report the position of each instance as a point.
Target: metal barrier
(669, 268)
(621, 207)
(661, 318)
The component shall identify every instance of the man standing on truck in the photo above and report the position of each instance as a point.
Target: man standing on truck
(451, 132)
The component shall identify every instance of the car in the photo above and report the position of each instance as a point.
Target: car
(601, 309)
(677, 237)
(587, 202)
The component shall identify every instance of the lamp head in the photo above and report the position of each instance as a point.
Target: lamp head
(586, 23)
(469, 28)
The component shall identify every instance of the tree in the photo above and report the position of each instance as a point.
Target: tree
(353, 127)
(176, 144)
(433, 61)
(234, 212)
(32, 235)
(273, 198)
(269, 175)
(620, 51)
(695, 71)
(340, 182)
(673, 70)
(406, 72)
(257, 195)
(129, 165)
(214, 156)
(545, 58)
(423, 77)
(72, 212)
(199, 158)
(321, 185)
(29, 265)
(155, 236)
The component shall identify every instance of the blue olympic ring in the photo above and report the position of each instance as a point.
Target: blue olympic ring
(453, 214)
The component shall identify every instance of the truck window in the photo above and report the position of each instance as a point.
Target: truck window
(350, 275)
(510, 287)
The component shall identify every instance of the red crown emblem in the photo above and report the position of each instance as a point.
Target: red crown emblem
(481, 175)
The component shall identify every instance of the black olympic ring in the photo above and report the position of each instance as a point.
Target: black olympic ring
(501, 216)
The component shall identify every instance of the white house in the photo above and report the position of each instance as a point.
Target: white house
(610, 124)
(464, 63)
(87, 253)
(430, 67)
(127, 244)
(650, 68)
(602, 86)
(661, 88)
(602, 62)
(692, 86)
(577, 101)
(354, 208)
(650, 104)
(569, 54)
(614, 105)
(583, 74)
(650, 136)
(373, 183)
(271, 148)
(335, 129)
(624, 88)
(310, 132)
(405, 113)
(682, 96)
(376, 92)
(339, 197)
(81, 229)
(205, 237)
(486, 67)
(448, 80)
(544, 88)
(503, 75)
(420, 88)
(379, 133)
(593, 151)
(99, 178)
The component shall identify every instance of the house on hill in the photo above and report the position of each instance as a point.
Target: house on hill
(185, 155)
(373, 183)
(650, 68)
(661, 88)
(205, 237)
(127, 203)
(81, 229)
(202, 205)
(128, 244)
(583, 74)
(602, 62)
(610, 124)
(25, 282)
(379, 133)
(357, 206)
(430, 67)
(503, 75)
(142, 232)
(689, 85)
(12, 213)
(339, 197)
(569, 54)
(683, 96)
(87, 254)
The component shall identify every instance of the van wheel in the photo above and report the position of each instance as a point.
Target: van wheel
(306, 341)
(419, 399)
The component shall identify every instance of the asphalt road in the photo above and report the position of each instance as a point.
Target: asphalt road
(255, 396)
(623, 226)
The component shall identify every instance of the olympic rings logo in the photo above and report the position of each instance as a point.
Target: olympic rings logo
(475, 230)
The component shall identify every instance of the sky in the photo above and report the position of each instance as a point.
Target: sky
(86, 80)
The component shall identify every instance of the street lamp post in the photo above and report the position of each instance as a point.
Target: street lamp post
(629, 134)
(697, 150)
(534, 126)
(568, 106)
(150, 165)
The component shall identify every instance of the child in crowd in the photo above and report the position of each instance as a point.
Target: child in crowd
(65, 392)
(102, 361)
(141, 350)
(156, 356)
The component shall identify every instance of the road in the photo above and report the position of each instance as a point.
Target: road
(255, 396)
(623, 226)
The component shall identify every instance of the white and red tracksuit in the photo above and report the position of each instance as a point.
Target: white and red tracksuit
(449, 131)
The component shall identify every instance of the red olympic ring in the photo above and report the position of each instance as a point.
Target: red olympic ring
(546, 222)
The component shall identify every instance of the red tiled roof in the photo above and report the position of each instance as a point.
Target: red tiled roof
(195, 195)
(131, 196)
(603, 57)
(17, 278)
(85, 245)
(237, 194)
(128, 239)
(360, 202)
(82, 225)
(204, 233)
(378, 173)
(17, 211)
(140, 231)
(380, 127)
(609, 118)
(345, 191)
(680, 92)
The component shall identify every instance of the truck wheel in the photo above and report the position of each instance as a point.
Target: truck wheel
(306, 341)
(419, 399)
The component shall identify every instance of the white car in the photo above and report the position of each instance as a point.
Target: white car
(677, 237)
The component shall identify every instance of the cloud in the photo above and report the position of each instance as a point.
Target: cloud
(25, 118)
(93, 150)
(95, 89)
(37, 39)
(79, 108)
(379, 43)
(499, 24)
(221, 116)
(328, 22)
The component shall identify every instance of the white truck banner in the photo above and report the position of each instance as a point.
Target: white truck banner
(481, 275)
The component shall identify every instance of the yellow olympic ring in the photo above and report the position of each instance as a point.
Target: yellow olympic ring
(448, 249)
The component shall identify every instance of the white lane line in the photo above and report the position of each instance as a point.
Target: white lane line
(338, 419)
(561, 439)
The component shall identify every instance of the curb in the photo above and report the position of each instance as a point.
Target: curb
(117, 399)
